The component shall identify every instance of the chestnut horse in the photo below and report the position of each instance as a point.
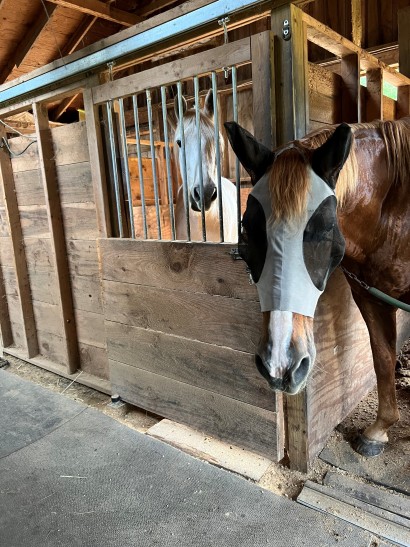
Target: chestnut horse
(204, 162)
(337, 195)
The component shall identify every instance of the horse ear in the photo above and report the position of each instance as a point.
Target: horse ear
(209, 104)
(184, 106)
(328, 160)
(254, 156)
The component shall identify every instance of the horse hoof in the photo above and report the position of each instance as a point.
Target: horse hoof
(366, 447)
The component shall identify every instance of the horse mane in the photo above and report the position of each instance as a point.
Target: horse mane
(289, 174)
(207, 131)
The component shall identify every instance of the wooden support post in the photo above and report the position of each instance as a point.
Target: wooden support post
(263, 86)
(350, 96)
(291, 121)
(57, 236)
(403, 92)
(374, 103)
(291, 86)
(5, 324)
(19, 252)
(95, 147)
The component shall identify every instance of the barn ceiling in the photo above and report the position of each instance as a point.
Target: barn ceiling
(36, 32)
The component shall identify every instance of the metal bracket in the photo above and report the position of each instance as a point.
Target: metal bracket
(223, 23)
(110, 66)
(286, 32)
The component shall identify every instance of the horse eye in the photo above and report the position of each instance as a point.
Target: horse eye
(179, 143)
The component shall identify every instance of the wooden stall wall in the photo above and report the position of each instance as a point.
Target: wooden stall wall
(80, 227)
(182, 325)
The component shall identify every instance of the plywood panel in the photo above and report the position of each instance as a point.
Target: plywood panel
(228, 322)
(225, 418)
(200, 267)
(221, 370)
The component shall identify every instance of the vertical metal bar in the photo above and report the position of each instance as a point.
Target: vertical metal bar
(140, 170)
(154, 165)
(183, 163)
(198, 135)
(237, 165)
(168, 161)
(114, 168)
(218, 155)
(126, 166)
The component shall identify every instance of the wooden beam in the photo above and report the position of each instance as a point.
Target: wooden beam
(357, 22)
(403, 93)
(40, 24)
(374, 103)
(57, 235)
(152, 7)
(75, 40)
(101, 10)
(350, 97)
(96, 151)
(291, 86)
(62, 107)
(19, 252)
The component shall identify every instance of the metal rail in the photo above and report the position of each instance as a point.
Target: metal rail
(132, 45)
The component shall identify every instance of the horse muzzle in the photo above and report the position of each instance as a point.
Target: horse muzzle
(293, 380)
(210, 195)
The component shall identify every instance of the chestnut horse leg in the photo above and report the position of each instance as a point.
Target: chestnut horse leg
(381, 323)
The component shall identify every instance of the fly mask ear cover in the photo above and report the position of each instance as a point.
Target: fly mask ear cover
(299, 258)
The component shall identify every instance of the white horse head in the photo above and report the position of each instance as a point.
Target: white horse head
(197, 161)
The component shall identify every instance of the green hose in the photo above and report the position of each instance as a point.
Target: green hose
(389, 299)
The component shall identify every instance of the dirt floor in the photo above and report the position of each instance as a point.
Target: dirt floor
(278, 478)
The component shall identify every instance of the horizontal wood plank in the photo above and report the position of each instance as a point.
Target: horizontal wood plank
(218, 369)
(225, 418)
(52, 346)
(201, 267)
(94, 360)
(75, 183)
(83, 257)
(69, 147)
(34, 221)
(29, 187)
(90, 328)
(234, 53)
(80, 221)
(216, 320)
(48, 317)
(87, 293)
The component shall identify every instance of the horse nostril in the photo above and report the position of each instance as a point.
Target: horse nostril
(301, 371)
(197, 193)
(214, 194)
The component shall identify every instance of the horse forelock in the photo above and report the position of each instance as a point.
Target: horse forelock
(207, 132)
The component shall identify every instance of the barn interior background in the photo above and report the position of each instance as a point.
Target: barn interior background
(94, 282)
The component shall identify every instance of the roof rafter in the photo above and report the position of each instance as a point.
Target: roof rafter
(42, 20)
(102, 10)
(153, 6)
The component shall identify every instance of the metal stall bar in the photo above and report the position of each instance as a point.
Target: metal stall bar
(237, 166)
(126, 167)
(183, 163)
(218, 155)
(140, 170)
(114, 167)
(154, 166)
(168, 161)
(198, 134)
